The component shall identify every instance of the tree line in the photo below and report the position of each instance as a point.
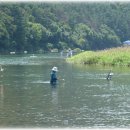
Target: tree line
(41, 27)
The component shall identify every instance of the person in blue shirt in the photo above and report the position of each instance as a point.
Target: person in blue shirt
(53, 79)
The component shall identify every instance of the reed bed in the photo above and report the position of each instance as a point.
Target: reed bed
(114, 56)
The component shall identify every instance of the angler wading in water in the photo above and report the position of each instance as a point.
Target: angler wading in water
(109, 75)
(53, 79)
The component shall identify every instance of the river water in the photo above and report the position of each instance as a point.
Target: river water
(83, 98)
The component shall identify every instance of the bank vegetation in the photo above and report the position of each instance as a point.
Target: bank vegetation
(115, 56)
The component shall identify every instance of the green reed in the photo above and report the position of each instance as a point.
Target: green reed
(113, 56)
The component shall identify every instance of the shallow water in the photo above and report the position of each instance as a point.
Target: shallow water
(82, 98)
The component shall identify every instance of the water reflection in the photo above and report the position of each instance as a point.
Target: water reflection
(54, 96)
(1, 96)
(110, 83)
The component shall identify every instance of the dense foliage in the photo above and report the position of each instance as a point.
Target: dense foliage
(44, 26)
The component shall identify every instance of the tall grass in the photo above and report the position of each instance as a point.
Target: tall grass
(115, 56)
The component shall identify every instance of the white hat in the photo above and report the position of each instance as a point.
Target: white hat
(54, 69)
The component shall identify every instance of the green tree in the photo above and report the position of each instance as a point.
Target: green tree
(20, 22)
(4, 37)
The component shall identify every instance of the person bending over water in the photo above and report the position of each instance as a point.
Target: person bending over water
(109, 76)
(53, 79)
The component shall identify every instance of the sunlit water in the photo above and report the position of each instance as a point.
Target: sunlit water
(82, 98)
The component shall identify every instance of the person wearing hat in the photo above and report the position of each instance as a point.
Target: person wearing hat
(53, 79)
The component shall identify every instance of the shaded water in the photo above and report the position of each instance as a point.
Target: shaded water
(83, 99)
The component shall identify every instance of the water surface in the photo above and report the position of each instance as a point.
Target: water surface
(82, 98)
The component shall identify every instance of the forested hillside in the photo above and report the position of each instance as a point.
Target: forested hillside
(41, 27)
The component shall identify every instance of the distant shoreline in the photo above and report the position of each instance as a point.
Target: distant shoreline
(119, 56)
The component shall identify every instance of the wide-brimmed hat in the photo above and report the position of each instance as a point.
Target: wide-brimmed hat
(54, 69)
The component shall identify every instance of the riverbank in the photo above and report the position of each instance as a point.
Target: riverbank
(115, 56)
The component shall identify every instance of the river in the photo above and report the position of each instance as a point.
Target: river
(83, 98)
